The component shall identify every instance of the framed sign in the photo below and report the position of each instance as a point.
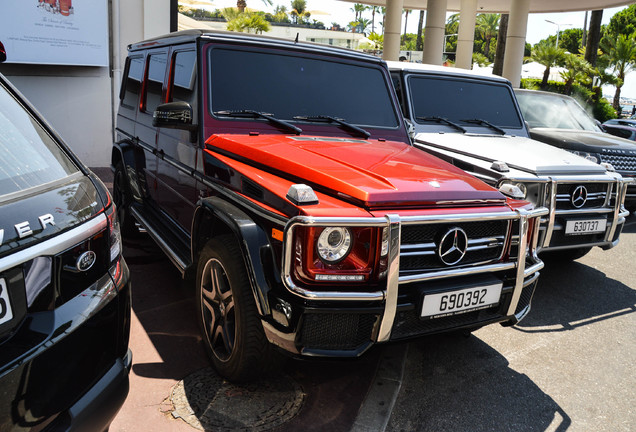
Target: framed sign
(57, 32)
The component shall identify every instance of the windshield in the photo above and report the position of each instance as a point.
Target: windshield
(544, 110)
(28, 155)
(289, 86)
(459, 100)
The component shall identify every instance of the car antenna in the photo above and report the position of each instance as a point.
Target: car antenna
(296, 40)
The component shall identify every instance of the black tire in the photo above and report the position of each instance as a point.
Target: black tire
(566, 254)
(226, 311)
(122, 197)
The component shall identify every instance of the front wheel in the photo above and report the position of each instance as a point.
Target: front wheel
(232, 332)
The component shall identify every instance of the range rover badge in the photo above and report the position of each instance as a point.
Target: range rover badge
(86, 261)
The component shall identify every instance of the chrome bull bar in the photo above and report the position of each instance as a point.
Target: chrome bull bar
(394, 224)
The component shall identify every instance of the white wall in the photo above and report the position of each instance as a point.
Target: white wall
(78, 101)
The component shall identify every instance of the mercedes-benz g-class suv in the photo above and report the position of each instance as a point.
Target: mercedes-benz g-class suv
(474, 122)
(280, 175)
(64, 286)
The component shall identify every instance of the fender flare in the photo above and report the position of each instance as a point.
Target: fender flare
(252, 240)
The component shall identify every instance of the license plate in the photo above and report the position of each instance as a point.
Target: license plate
(588, 226)
(460, 301)
(5, 306)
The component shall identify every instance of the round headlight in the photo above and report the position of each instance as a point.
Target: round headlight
(334, 244)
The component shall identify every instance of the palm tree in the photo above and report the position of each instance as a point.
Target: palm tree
(242, 4)
(419, 44)
(548, 55)
(621, 55)
(299, 12)
(246, 22)
(487, 28)
(374, 9)
(578, 70)
(406, 20)
(358, 9)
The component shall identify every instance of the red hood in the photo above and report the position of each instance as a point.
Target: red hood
(379, 174)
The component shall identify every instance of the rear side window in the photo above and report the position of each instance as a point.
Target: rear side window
(29, 157)
(132, 84)
(154, 85)
(183, 77)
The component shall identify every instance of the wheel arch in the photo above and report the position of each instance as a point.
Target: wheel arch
(215, 216)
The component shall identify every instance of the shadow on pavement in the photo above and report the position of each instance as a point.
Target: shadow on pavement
(571, 295)
(454, 383)
(164, 304)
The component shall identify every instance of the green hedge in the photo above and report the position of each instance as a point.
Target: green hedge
(591, 100)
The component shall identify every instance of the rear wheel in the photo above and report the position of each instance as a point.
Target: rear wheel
(232, 332)
(122, 197)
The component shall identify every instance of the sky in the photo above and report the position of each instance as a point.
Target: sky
(329, 11)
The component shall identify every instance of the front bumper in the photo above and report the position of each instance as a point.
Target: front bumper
(75, 377)
(345, 324)
(610, 210)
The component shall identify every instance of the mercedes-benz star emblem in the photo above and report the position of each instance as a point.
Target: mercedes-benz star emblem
(579, 196)
(453, 246)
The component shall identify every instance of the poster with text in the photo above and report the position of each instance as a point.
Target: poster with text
(58, 32)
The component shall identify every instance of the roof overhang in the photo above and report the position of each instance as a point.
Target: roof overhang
(503, 6)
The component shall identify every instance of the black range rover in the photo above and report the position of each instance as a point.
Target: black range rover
(64, 286)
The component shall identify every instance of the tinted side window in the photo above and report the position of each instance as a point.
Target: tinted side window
(183, 81)
(132, 83)
(154, 85)
(28, 155)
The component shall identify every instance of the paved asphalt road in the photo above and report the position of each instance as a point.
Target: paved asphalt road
(569, 366)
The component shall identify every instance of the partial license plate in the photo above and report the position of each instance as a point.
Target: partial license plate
(5, 305)
(460, 301)
(587, 226)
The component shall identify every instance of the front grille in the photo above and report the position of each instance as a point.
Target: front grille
(336, 331)
(620, 162)
(596, 195)
(420, 244)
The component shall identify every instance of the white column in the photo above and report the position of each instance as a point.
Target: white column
(466, 34)
(516, 41)
(434, 33)
(156, 18)
(392, 29)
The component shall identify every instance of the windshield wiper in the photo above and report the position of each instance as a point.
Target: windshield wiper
(485, 123)
(444, 121)
(341, 122)
(257, 114)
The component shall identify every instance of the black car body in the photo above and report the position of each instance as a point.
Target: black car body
(64, 286)
(560, 121)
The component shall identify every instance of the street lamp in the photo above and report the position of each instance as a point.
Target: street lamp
(558, 30)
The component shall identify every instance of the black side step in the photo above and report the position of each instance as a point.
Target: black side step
(171, 239)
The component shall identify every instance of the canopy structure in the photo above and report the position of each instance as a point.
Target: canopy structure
(518, 11)
(503, 6)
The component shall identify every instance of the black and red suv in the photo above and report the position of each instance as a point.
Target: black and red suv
(280, 175)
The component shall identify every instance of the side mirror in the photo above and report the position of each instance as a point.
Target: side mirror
(175, 115)
(3, 53)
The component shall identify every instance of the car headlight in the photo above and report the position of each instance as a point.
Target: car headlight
(334, 243)
(586, 155)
